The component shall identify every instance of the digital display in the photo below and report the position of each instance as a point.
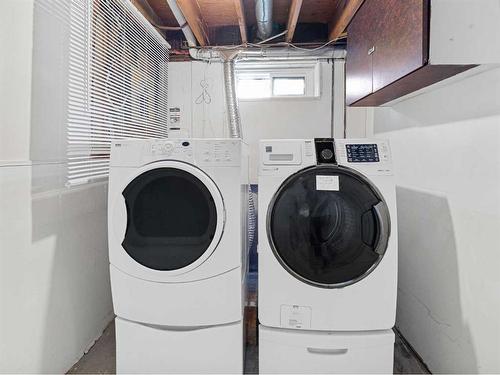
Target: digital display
(362, 153)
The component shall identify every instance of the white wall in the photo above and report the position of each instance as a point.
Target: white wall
(197, 89)
(16, 19)
(357, 120)
(54, 280)
(203, 111)
(446, 150)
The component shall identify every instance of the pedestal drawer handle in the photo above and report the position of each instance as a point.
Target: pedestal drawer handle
(327, 351)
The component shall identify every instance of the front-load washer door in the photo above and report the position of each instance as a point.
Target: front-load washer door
(175, 218)
(328, 226)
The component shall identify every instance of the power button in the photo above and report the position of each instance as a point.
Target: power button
(327, 154)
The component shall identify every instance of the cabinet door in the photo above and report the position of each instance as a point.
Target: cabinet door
(401, 41)
(359, 60)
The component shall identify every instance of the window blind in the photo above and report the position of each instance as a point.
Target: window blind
(118, 82)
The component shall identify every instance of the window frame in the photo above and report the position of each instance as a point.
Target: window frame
(309, 71)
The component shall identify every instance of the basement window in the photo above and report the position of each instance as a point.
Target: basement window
(289, 86)
(253, 87)
(277, 80)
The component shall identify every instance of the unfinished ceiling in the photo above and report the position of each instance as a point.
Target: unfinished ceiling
(233, 22)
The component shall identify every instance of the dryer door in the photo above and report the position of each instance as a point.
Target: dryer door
(328, 226)
(175, 217)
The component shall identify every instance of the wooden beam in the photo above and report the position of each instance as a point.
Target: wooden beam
(192, 13)
(240, 12)
(293, 17)
(148, 12)
(346, 9)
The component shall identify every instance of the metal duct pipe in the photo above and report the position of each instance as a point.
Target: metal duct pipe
(233, 111)
(264, 15)
(266, 54)
(287, 53)
(229, 57)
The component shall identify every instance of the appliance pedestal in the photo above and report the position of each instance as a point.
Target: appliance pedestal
(315, 352)
(156, 349)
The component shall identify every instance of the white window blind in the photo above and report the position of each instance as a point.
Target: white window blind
(118, 82)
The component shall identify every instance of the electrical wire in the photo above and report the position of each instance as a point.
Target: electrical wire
(273, 37)
(278, 44)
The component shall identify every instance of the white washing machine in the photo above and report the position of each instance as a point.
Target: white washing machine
(177, 222)
(327, 250)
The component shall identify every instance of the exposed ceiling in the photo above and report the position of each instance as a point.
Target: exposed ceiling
(232, 22)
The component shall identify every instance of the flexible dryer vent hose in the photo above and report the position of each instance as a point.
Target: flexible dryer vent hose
(233, 111)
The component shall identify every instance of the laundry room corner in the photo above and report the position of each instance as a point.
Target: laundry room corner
(447, 165)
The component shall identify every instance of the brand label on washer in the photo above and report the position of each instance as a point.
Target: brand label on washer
(328, 183)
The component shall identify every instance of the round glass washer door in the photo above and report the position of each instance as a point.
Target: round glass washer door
(328, 226)
(175, 217)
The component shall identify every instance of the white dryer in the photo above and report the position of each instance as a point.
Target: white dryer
(177, 222)
(327, 254)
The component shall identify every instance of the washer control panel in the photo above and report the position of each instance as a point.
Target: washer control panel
(371, 156)
(362, 153)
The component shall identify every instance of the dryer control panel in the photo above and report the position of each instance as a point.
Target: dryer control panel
(202, 152)
(171, 148)
(218, 152)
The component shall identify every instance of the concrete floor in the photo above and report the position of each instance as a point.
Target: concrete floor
(101, 357)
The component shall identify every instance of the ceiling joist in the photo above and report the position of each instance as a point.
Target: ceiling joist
(345, 11)
(205, 17)
(240, 12)
(293, 17)
(146, 10)
(191, 11)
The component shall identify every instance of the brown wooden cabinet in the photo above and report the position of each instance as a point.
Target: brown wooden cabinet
(359, 75)
(388, 52)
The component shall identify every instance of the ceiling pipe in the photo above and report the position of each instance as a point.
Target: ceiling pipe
(209, 55)
(264, 54)
(264, 16)
(230, 56)
(188, 33)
